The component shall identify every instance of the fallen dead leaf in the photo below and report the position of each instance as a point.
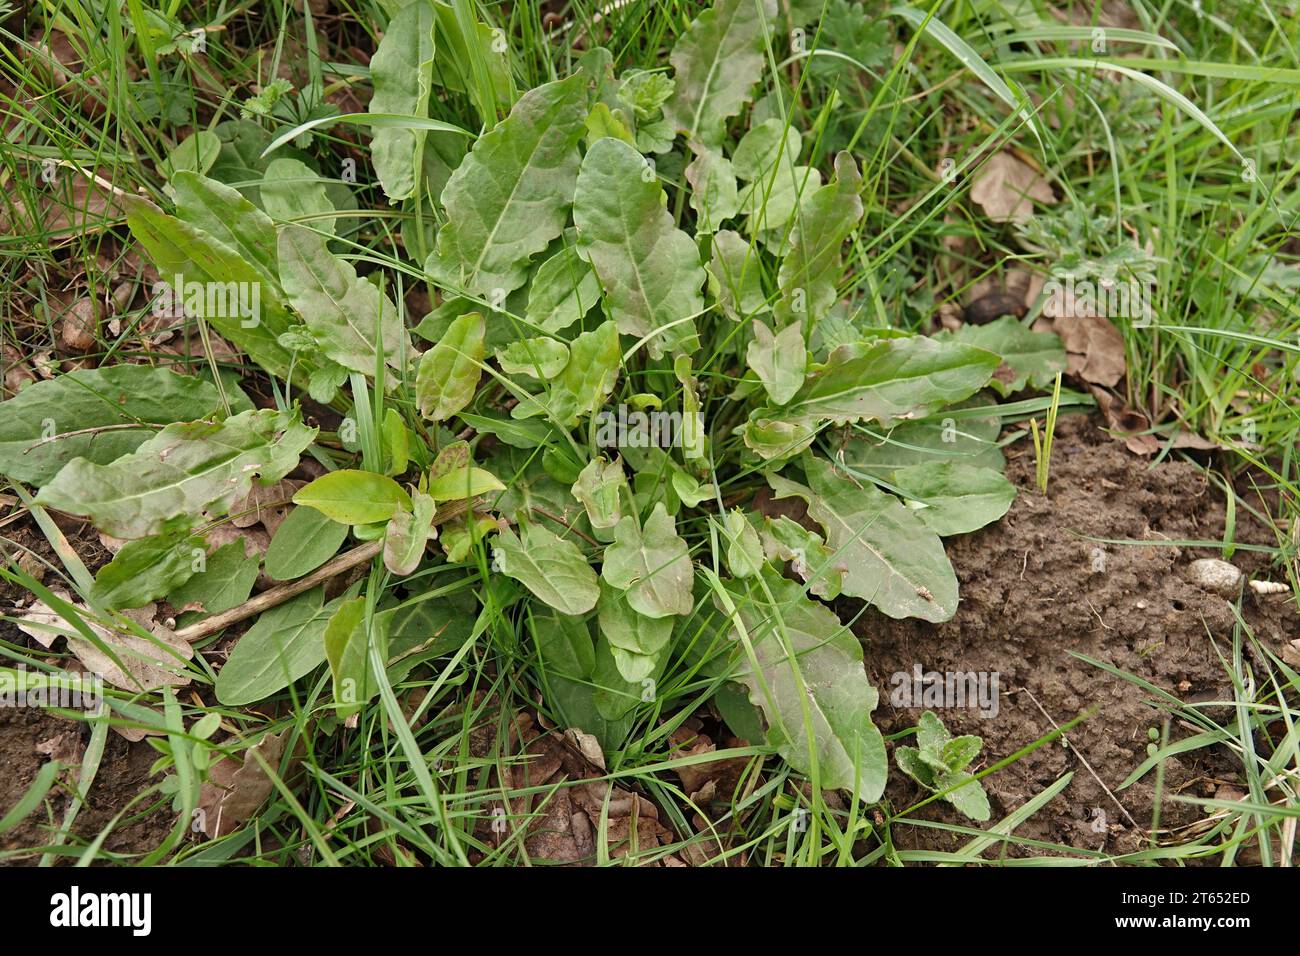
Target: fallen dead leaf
(148, 664)
(1094, 348)
(234, 791)
(1006, 188)
(1126, 423)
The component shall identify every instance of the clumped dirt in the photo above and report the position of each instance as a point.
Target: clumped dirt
(1033, 589)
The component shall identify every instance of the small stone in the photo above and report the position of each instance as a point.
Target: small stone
(78, 332)
(1215, 575)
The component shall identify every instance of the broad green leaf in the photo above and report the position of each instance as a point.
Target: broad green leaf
(568, 659)
(812, 265)
(354, 497)
(968, 796)
(463, 483)
(953, 498)
(616, 696)
(541, 357)
(225, 581)
(773, 437)
(713, 189)
(892, 380)
(230, 284)
(649, 269)
(562, 292)
(770, 204)
(292, 192)
(347, 642)
(517, 434)
(407, 535)
(944, 438)
(510, 196)
(652, 564)
(285, 644)
(602, 487)
(87, 414)
(786, 540)
(186, 469)
(401, 71)
(551, 567)
(763, 146)
(779, 360)
(717, 62)
(586, 381)
(225, 215)
(147, 569)
(804, 671)
(890, 558)
(346, 314)
(1029, 359)
(305, 540)
(449, 372)
(744, 554)
(629, 630)
(735, 268)
(602, 122)
(195, 153)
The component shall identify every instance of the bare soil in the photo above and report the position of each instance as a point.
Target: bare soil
(1034, 589)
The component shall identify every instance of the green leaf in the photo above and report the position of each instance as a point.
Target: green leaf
(602, 487)
(763, 146)
(602, 122)
(510, 196)
(806, 675)
(968, 797)
(347, 642)
(463, 483)
(186, 469)
(195, 153)
(649, 269)
(585, 383)
(779, 361)
(769, 203)
(401, 71)
(892, 380)
(449, 372)
(945, 437)
(630, 631)
(735, 267)
(87, 414)
(562, 292)
(786, 540)
(354, 497)
(616, 696)
(178, 248)
(305, 540)
(347, 315)
(147, 569)
(744, 554)
(713, 189)
(224, 214)
(652, 564)
(292, 192)
(540, 357)
(717, 62)
(226, 581)
(953, 498)
(890, 558)
(284, 645)
(551, 567)
(812, 266)
(1029, 359)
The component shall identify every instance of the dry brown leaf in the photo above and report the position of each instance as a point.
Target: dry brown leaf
(233, 792)
(149, 664)
(269, 504)
(1006, 188)
(1126, 423)
(78, 325)
(1094, 348)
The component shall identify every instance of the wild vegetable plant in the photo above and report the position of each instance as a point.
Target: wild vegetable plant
(646, 427)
